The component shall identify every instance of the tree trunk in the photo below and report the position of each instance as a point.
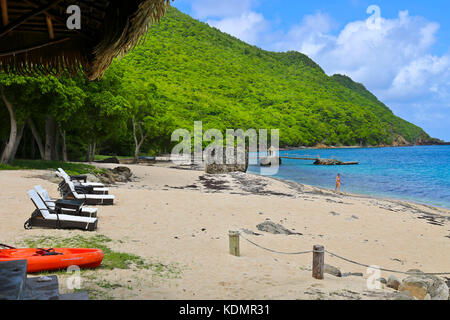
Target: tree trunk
(17, 143)
(7, 152)
(55, 150)
(49, 137)
(88, 152)
(23, 152)
(33, 148)
(137, 143)
(37, 138)
(64, 146)
(94, 146)
(136, 152)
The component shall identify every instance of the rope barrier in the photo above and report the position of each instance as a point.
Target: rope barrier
(345, 259)
(388, 270)
(275, 251)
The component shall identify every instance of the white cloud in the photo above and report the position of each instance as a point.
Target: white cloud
(309, 37)
(203, 9)
(246, 27)
(426, 76)
(377, 57)
(394, 61)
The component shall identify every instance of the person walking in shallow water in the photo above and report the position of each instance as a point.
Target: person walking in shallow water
(338, 183)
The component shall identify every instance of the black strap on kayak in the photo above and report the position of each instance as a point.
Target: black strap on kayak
(6, 246)
(47, 252)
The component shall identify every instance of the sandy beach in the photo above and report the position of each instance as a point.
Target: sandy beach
(182, 218)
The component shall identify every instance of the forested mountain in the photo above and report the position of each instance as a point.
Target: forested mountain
(205, 74)
(187, 71)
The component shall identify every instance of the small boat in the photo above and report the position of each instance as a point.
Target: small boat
(53, 258)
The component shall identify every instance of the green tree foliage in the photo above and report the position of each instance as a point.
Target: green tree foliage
(204, 74)
(187, 71)
(45, 99)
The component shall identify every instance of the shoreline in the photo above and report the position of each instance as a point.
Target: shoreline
(429, 197)
(365, 195)
(360, 147)
(330, 192)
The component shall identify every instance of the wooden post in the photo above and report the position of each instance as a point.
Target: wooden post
(234, 243)
(318, 262)
(5, 18)
(51, 33)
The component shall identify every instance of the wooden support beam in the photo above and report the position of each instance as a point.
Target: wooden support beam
(10, 27)
(39, 46)
(54, 17)
(59, 19)
(4, 6)
(51, 33)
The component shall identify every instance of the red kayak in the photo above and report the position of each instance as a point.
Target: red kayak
(54, 259)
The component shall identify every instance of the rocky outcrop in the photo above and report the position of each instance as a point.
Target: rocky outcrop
(425, 287)
(326, 162)
(270, 161)
(118, 174)
(352, 274)
(382, 280)
(332, 270)
(393, 283)
(274, 228)
(239, 164)
(109, 160)
(399, 141)
(92, 178)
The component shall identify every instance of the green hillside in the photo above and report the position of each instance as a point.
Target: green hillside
(203, 74)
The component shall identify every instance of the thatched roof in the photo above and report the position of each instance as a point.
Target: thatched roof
(34, 37)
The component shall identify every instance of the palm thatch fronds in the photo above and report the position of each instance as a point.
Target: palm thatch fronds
(34, 38)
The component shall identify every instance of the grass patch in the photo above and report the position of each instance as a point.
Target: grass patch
(112, 259)
(99, 157)
(70, 167)
(95, 280)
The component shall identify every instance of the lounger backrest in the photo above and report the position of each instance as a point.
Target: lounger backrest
(59, 174)
(40, 205)
(43, 193)
(64, 174)
(74, 192)
(65, 177)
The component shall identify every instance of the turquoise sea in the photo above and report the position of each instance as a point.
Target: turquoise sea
(420, 173)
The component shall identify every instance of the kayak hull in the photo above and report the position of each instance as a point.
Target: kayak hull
(37, 262)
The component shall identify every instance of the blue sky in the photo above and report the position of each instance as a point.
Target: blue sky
(402, 55)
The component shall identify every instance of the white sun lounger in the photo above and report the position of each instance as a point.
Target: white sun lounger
(87, 183)
(86, 189)
(75, 209)
(70, 192)
(42, 217)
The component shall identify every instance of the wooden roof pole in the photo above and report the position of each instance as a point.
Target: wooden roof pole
(6, 29)
(4, 5)
(51, 33)
(58, 19)
(39, 46)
